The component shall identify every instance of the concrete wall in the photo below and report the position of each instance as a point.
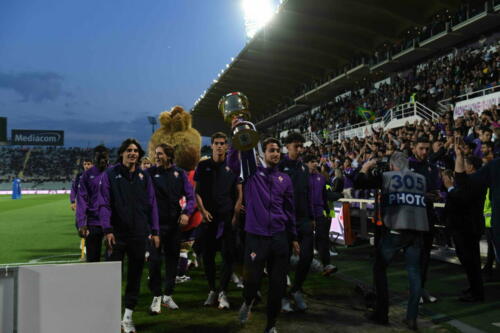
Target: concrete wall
(69, 298)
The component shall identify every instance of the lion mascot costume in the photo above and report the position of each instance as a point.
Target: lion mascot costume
(176, 130)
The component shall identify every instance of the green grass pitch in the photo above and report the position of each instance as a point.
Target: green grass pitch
(41, 228)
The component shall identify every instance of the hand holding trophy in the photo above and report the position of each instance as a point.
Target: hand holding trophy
(244, 134)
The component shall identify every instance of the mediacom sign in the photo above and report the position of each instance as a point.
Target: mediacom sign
(37, 137)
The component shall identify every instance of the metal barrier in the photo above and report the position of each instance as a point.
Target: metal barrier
(441, 250)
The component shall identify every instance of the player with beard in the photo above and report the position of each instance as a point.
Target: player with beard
(420, 164)
(87, 209)
(129, 215)
(269, 228)
(170, 184)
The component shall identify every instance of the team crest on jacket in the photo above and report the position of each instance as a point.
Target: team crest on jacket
(176, 174)
(141, 176)
(253, 255)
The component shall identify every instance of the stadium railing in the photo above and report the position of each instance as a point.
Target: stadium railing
(446, 103)
(393, 118)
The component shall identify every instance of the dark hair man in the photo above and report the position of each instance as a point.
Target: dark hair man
(464, 214)
(405, 218)
(218, 195)
(269, 222)
(485, 134)
(170, 184)
(321, 211)
(87, 209)
(304, 217)
(420, 164)
(129, 215)
(487, 151)
(87, 164)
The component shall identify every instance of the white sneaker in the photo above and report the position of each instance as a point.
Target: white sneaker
(271, 330)
(128, 326)
(223, 302)
(299, 301)
(244, 313)
(236, 280)
(329, 269)
(212, 297)
(427, 298)
(182, 279)
(155, 307)
(168, 302)
(286, 307)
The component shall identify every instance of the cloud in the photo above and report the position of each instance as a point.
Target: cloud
(36, 87)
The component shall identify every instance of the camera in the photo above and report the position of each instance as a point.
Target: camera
(381, 167)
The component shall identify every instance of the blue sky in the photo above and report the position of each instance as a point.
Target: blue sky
(97, 69)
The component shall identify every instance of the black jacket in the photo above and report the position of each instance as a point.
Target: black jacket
(299, 174)
(216, 185)
(170, 186)
(464, 207)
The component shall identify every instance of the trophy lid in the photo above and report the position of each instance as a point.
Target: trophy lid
(234, 104)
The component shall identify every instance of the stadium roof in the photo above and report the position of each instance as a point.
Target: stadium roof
(305, 40)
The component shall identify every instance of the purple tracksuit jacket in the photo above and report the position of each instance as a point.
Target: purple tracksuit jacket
(268, 198)
(87, 209)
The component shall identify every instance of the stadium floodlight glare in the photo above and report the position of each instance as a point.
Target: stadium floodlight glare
(257, 14)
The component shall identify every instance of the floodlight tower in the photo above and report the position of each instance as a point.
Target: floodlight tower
(153, 122)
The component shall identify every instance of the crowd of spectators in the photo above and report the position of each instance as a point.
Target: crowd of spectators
(481, 133)
(410, 37)
(459, 72)
(57, 164)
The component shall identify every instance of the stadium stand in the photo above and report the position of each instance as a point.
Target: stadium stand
(46, 168)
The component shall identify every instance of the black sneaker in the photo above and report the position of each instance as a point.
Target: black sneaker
(377, 319)
(411, 324)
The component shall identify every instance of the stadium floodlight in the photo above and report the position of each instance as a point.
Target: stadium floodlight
(153, 122)
(257, 14)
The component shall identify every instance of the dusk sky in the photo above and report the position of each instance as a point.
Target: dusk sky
(97, 69)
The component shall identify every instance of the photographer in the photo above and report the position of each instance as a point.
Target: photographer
(405, 219)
